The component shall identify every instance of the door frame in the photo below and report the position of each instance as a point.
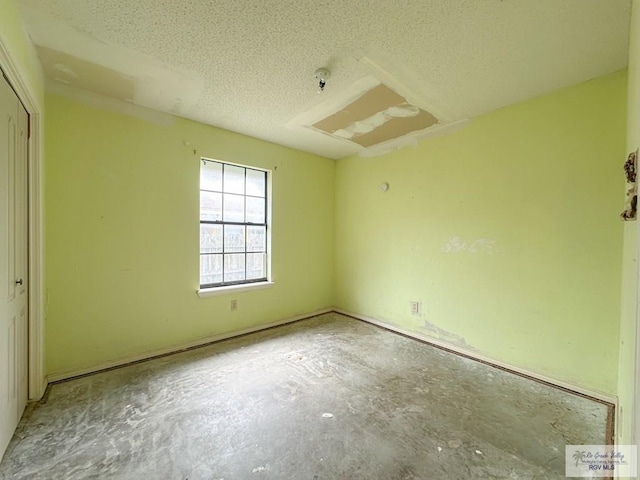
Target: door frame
(37, 380)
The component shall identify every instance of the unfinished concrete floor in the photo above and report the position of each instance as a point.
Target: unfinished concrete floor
(324, 398)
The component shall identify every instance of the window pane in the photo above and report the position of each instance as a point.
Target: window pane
(210, 238)
(233, 208)
(211, 176)
(234, 238)
(233, 179)
(256, 183)
(233, 267)
(256, 239)
(255, 210)
(210, 269)
(256, 266)
(210, 206)
(233, 249)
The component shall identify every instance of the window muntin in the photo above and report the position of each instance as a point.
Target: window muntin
(233, 224)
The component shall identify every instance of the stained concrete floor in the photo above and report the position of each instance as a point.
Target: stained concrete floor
(325, 398)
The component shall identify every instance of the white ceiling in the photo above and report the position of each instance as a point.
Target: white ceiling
(247, 65)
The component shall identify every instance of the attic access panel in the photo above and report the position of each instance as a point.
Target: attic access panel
(378, 115)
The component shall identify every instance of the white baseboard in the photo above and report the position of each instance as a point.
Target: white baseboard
(605, 397)
(122, 361)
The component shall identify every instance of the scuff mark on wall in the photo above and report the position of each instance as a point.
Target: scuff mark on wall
(478, 246)
(437, 332)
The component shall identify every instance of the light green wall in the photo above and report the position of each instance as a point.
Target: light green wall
(16, 40)
(628, 324)
(532, 192)
(122, 234)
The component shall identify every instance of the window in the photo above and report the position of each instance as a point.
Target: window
(233, 224)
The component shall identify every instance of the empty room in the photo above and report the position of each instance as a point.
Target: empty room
(319, 239)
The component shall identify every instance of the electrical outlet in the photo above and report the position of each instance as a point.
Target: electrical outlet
(415, 308)
(234, 305)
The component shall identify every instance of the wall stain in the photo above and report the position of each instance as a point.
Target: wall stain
(478, 246)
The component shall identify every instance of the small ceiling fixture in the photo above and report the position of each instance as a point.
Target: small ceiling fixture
(321, 75)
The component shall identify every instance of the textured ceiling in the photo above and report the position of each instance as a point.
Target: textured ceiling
(247, 65)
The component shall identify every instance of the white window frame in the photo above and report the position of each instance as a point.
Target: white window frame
(207, 290)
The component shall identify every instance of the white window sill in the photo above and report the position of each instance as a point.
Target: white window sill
(215, 291)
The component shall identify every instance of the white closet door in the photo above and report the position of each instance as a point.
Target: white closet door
(13, 262)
